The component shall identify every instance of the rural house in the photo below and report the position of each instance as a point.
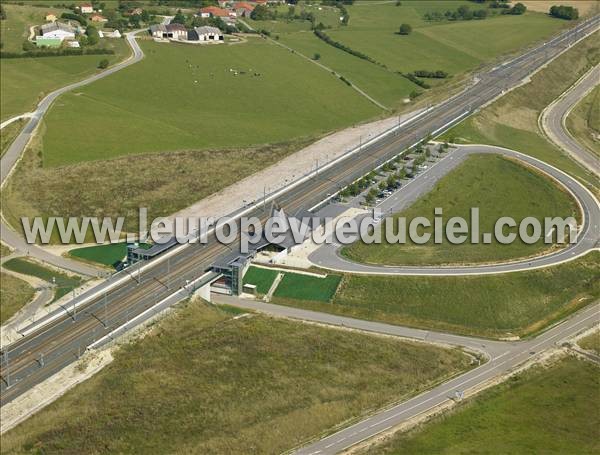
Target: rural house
(58, 30)
(87, 8)
(50, 17)
(213, 11)
(98, 18)
(243, 9)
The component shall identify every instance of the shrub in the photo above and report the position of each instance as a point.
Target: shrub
(103, 63)
(405, 29)
(564, 12)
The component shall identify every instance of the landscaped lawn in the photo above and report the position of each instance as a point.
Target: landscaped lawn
(202, 382)
(261, 278)
(110, 254)
(543, 410)
(504, 305)
(200, 97)
(498, 187)
(64, 283)
(14, 293)
(584, 121)
(305, 287)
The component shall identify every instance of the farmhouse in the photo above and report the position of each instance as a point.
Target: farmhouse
(243, 9)
(213, 11)
(58, 30)
(98, 18)
(205, 34)
(87, 8)
(50, 17)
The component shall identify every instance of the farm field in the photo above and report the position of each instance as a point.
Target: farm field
(246, 385)
(495, 306)
(453, 47)
(532, 412)
(260, 80)
(22, 83)
(584, 121)
(63, 283)
(502, 187)
(14, 294)
(512, 121)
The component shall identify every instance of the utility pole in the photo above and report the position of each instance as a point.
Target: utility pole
(105, 309)
(7, 369)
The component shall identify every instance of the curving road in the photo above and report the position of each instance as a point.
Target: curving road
(553, 120)
(15, 151)
(502, 358)
(328, 256)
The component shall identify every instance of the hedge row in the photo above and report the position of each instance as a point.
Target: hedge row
(58, 53)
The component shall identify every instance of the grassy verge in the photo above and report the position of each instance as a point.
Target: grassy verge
(591, 342)
(495, 306)
(584, 121)
(64, 283)
(544, 410)
(9, 133)
(202, 382)
(14, 294)
(162, 185)
(512, 121)
(498, 187)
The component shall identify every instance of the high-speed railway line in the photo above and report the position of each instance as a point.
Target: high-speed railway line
(59, 339)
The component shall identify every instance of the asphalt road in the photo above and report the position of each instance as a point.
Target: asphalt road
(328, 257)
(61, 336)
(554, 117)
(502, 357)
(15, 151)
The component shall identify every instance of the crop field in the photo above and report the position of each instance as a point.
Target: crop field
(512, 121)
(202, 382)
(25, 81)
(543, 410)
(584, 121)
(206, 93)
(502, 187)
(261, 278)
(496, 306)
(305, 287)
(453, 47)
(63, 283)
(14, 293)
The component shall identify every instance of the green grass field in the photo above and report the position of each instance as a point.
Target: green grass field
(202, 101)
(25, 81)
(584, 121)
(454, 47)
(261, 278)
(495, 306)
(591, 342)
(512, 121)
(543, 410)
(304, 287)
(201, 382)
(14, 293)
(498, 187)
(109, 255)
(63, 283)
